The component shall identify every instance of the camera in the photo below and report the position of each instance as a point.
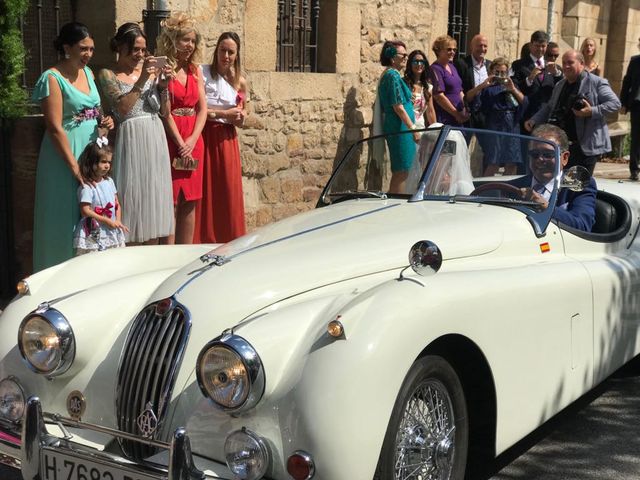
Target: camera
(500, 80)
(579, 103)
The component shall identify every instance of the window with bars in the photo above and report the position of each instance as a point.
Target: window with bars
(297, 32)
(458, 26)
(39, 27)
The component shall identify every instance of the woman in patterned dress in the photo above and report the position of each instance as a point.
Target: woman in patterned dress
(141, 166)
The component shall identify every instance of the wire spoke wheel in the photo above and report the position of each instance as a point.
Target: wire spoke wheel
(428, 432)
(425, 440)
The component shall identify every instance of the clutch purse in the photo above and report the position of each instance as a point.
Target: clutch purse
(184, 163)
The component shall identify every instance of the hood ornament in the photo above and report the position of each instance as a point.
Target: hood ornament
(217, 260)
(147, 421)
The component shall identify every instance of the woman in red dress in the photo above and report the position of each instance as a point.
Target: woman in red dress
(220, 212)
(181, 44)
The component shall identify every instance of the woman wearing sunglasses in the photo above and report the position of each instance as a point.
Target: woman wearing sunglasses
(417, 78)
(449, 97)
(394, 111)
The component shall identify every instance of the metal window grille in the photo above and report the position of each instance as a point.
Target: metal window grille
(298, 35)
(39, 27)
(459, 23)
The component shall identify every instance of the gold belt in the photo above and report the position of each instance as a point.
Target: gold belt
(184, 112)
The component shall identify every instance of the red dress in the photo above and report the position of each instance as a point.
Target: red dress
(220, 211)
(183, 98)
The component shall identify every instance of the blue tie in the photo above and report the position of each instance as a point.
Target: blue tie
(539, 188)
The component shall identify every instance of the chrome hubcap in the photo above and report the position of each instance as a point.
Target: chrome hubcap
(425, 442)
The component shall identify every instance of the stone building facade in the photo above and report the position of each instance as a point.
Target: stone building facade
(301, 123)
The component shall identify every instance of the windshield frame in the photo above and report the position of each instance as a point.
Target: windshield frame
(539, 220)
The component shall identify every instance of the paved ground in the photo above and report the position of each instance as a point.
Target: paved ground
(612, 170)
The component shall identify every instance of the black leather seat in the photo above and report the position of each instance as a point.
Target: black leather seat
(606, 217)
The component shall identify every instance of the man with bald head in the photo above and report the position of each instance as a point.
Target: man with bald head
(474, 69)
(579, 104)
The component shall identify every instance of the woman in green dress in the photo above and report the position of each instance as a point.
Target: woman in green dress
(397, 108)
(71, 104)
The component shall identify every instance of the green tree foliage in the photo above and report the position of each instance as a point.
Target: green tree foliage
(12, 95)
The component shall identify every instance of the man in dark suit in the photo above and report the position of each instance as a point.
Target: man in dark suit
(574, 209)
(528, 73)
(630, 99)
(473, 70)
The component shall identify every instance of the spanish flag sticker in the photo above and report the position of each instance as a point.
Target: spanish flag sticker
(544, 247)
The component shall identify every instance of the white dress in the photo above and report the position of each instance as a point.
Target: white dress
(91, 235)
(142, 169)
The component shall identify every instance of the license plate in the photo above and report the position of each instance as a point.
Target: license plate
(59, 466)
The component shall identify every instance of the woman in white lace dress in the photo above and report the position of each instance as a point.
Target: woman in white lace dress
(141, 168)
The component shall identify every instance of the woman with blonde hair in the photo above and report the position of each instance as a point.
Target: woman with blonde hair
(181, 43)
(589, 50)
(220, 211)
(447, 84)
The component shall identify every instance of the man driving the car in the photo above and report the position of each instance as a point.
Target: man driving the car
(574, 209)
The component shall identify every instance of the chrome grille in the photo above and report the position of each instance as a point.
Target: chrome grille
(148, 368)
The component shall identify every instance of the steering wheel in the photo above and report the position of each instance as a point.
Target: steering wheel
(506, 188)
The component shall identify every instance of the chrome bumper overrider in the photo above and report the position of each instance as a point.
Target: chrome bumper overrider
(27, 450)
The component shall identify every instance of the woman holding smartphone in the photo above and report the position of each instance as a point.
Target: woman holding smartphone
(141, 167)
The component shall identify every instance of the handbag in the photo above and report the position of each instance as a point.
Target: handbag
(184, 163)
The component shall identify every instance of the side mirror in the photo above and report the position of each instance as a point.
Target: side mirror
(575, 178)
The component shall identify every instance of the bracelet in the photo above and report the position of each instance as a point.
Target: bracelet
(413, 127)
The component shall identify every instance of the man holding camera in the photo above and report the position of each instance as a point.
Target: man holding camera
(578, 105)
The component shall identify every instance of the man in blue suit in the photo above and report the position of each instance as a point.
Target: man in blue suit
(574, 209)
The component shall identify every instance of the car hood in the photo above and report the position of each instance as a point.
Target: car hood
(330, 245)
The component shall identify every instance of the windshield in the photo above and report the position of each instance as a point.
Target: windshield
(452, 164)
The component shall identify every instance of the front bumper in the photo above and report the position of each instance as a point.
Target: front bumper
(25, 452)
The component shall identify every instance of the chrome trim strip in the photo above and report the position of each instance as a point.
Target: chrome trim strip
(67, 339)
(252, 363)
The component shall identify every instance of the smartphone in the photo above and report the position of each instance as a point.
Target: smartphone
(160, 62)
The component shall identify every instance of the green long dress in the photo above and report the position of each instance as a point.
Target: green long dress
(56, 205)
(394, 91)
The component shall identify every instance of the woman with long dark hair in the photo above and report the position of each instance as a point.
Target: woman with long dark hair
(220, 211)
(416, 75)
(70, 103)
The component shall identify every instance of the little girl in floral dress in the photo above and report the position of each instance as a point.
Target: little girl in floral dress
(101, 226)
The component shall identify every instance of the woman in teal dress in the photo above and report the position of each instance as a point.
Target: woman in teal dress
(70, 103)
(397, 109)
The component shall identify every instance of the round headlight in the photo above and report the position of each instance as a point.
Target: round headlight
(246, 455)
(11, 400)
(46, 342)
(230, 372)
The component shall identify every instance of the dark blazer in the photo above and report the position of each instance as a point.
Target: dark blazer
(631, 84)
(464, 65)
(574, 209)
(539, 92)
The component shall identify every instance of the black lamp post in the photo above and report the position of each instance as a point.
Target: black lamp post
(152, 19)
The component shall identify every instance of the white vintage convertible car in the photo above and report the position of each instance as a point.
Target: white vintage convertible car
(388, 336)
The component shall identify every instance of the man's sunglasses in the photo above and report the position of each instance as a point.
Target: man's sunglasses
(544, 154)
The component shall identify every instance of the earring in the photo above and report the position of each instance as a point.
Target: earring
(67, 56)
